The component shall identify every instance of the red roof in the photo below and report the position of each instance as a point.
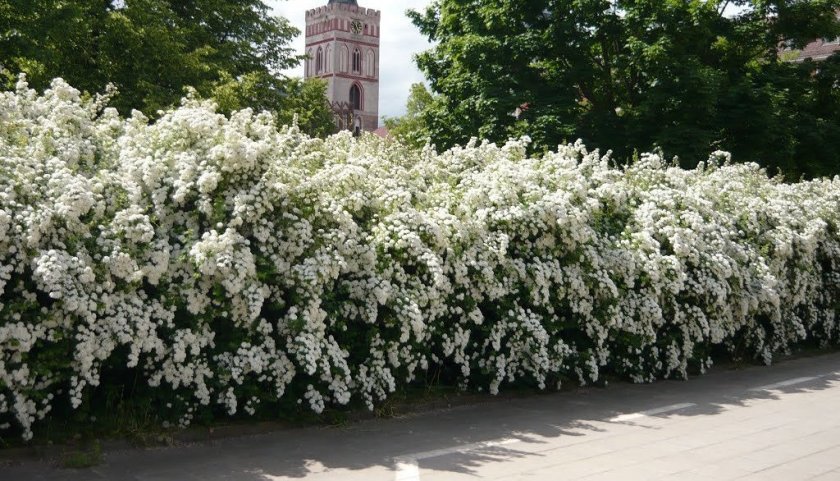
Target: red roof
(819, 50)
(383, 132)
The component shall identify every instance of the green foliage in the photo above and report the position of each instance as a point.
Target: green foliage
(308, 101)
(151, 50)
(287, 98)
(83, 458)
(679, 75)
(411, 128)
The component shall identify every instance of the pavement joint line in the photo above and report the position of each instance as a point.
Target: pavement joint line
(408, 469)
(777, 465)
(789, 382)
(652, 412)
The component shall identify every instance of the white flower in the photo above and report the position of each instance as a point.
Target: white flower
(222, 257)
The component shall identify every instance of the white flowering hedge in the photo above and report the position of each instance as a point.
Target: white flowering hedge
(224, 263)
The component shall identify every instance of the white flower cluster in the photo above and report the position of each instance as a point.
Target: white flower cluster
(228, 265)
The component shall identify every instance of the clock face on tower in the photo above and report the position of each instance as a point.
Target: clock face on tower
(356, 27)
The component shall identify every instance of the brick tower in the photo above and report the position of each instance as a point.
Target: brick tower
(342, 47)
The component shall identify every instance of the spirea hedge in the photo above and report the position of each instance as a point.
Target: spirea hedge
(221, 263)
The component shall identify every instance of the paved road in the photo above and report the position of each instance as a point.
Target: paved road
(778, 423)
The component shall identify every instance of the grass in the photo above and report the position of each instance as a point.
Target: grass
(82, 458)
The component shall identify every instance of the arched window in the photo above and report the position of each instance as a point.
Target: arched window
(357, 61)
(355, 97)
(345, 58)
(329, 63)
(319, 60)
(370, 63)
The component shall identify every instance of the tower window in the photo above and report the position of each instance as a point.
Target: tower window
(329, 63)
(357, 61)
(355, 97)
(370, 63)
(319, 60)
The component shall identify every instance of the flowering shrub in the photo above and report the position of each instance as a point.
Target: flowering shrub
(226, 264)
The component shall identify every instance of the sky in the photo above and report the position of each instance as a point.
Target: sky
(400, 41)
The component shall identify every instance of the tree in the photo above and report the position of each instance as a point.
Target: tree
(411, 129)
(152, 49)
(288, 99)
(686, 76)
(307, 100)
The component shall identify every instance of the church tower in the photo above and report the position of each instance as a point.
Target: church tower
(342, 47)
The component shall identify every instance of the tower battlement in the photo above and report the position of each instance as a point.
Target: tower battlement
(337, 8)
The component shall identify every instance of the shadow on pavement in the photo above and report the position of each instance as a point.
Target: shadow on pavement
(577, 415)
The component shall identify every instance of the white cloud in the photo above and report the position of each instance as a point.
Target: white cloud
(400, 41)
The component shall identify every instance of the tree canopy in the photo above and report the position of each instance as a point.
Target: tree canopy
(682, 75)
(410, 129)
(152, 49)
